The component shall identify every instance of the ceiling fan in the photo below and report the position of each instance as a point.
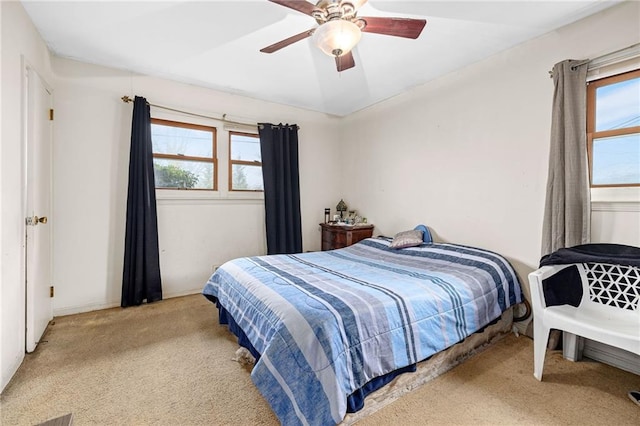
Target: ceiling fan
(340, 28)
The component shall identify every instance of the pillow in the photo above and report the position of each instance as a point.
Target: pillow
(407, 239)
(426, 235)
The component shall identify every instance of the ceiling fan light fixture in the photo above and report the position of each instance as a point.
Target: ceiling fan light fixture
(337, 37)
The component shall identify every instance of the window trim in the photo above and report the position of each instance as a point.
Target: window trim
(241, 162)
(213, 159)
(591, 123)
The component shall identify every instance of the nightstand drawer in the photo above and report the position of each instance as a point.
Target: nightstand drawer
(339, 236)
(334, 238)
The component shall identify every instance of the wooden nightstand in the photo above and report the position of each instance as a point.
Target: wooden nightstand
(338, 236)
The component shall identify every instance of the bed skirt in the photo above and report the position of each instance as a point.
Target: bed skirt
(433, 367)
(375, 394)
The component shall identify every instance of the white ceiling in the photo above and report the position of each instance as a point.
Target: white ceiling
(216, 44)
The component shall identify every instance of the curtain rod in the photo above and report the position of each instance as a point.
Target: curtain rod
(609, 58)
(126, 99)
(574, 66)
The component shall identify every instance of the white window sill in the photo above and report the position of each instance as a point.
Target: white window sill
(623, 194)
(615, 199)
(169, 196)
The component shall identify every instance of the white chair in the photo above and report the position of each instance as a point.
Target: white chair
(608, 312)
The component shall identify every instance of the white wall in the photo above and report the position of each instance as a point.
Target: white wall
(91, 156)
(6, 370)
(616, 222)
(21, 45)
(467, 154)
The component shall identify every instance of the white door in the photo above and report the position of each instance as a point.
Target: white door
(38, 209)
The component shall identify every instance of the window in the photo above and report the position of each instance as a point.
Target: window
(245, 162)
(613, 130)
(184, 155)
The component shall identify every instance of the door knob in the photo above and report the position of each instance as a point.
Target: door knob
(42, 219)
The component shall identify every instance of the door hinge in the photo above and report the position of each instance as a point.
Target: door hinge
(51, 291)
(51, 114)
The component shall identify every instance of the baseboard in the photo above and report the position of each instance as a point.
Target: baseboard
(610, 355)
(183, 293)
(71, 310)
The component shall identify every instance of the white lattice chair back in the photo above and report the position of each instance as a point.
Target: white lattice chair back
(613, 286)
(609, 310)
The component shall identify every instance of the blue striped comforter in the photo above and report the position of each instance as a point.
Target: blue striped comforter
(326, 323)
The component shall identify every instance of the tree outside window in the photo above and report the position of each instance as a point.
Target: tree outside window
(184, 155)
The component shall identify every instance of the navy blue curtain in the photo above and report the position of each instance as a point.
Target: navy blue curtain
(279, 149)
(141, 275)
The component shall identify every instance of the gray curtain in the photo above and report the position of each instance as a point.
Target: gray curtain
(567, 213)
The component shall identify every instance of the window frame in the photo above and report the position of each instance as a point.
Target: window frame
(591, 122)
(242, 162)
(213, 159)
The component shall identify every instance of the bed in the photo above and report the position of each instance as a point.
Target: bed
(329, 327)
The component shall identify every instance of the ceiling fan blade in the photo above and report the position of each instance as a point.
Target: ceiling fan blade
(398, 27)
(345, 61)
(287, 41)
(299, 5)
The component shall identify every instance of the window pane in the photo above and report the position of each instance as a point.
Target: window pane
(618, 105)
(181, 141)
(183, 174)
(246, 148)
(246, 177)
(616, 160)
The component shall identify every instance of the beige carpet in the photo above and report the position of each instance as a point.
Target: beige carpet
(169, 363)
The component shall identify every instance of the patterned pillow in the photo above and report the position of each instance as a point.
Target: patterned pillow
(407, 239)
